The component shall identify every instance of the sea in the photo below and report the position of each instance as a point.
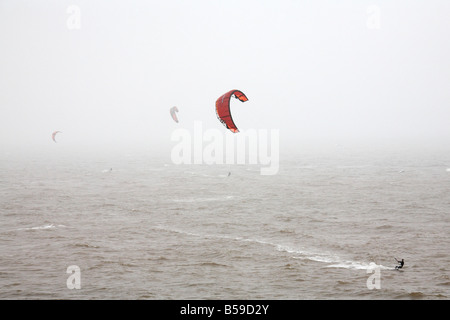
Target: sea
(132, 225)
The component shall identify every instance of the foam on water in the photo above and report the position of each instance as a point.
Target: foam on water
(358, 265)
(193, 200)
(43, 227)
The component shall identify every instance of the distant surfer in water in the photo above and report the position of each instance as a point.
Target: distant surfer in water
(400, 264)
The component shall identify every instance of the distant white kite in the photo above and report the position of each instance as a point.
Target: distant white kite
(173, 114)
(54, 135)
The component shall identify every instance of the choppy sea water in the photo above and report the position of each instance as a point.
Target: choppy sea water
(141, 227)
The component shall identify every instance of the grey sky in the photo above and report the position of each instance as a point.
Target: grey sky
(319, 71)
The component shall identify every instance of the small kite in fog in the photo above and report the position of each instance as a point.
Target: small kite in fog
(54, 135)
(223, 108)
(173, 114)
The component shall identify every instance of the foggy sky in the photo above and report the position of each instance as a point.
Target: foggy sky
(319, 71)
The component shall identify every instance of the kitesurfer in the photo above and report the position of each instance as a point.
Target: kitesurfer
(400, 264)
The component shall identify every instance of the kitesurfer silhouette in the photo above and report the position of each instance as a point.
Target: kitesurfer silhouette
(401, 263)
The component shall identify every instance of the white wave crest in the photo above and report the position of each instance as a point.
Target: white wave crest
(43, 227)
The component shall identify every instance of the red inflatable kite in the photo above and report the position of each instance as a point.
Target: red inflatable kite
(223, 108)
